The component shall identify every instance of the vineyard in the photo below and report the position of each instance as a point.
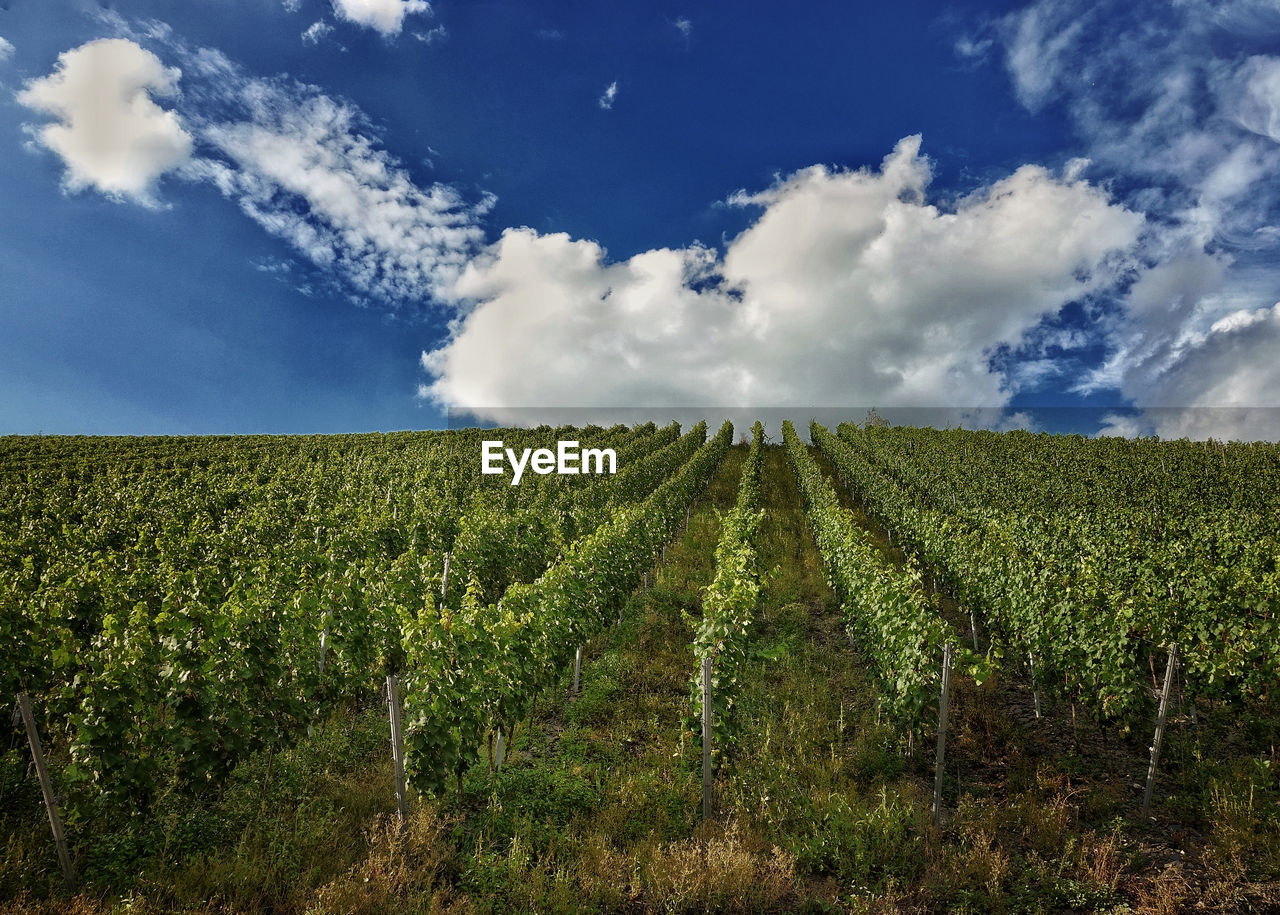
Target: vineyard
(871, 669)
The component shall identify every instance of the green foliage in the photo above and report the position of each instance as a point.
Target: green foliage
(728, 607)
(889, 617)
(1090, 557)
(478, 669)
(175, 605)
(861, 844)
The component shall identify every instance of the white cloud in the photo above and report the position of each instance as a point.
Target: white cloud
(386, 16)
(973, 49)
(1235, 366)
(305, 167)
(316, 31)
(432, 36)
(848, 289)
(606, 100)
(1164, 101)
(1236, 424)
(6, 49)
(1173, 106)
(1223, 383)
(1195, 353)
(684, 26)
(109, 132)
(292, 6)
(1038, 40)
(1238, 320)
(1257, 107)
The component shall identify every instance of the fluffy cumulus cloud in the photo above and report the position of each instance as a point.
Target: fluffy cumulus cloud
(1197, 354)
(1177, 106)
(1239, 355)
(386, 16)
(6, 49)
(1231, 376)
(107, 129)
(850, 288)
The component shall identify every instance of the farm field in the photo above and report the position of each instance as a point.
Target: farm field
(208, 631)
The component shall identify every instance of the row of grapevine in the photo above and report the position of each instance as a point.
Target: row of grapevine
(173, 605)
(476, 670)
(1090, 592)
(1187, 534)
(1009, 583)
(729, 606)
(501, 541)
(891, 619)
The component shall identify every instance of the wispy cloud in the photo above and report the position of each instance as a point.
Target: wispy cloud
(606, 100)
(307, 168)
(292, 6)
(6, 49)
(684, 26)
(316, 31)
(432, 36)
(1039, 44)
(973, 49)
(1180, 111)
(550, 34)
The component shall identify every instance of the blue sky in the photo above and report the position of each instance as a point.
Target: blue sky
(348, 215)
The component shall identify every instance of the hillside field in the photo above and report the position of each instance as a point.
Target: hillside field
(210, 633)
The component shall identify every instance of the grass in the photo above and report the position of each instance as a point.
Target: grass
(820, 808)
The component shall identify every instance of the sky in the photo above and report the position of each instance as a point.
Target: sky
(298, 216)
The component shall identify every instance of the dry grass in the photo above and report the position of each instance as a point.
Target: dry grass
(408, 868)
(719, 872)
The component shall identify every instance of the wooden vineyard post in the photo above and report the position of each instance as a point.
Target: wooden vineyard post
(1035, 684)
(500, 753)
(444, 580)
(46, 788)
(577, 670)
(706, 738)
(324, 642)
(1165, 690)
(973, 626)
(943, 701)
(397, 746)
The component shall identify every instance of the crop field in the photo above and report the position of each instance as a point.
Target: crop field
(863, 668)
